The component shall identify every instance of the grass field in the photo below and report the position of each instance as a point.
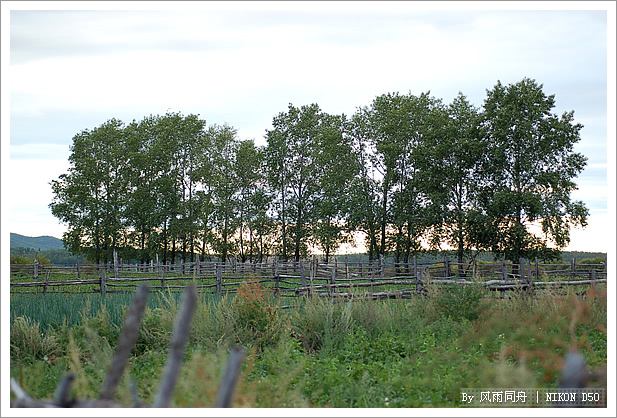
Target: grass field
(395, 353)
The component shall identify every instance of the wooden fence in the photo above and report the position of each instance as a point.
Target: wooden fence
(339, 278)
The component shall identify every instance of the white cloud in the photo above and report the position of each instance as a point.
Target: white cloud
(243, 62)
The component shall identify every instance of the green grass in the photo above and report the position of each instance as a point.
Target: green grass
(393, 353)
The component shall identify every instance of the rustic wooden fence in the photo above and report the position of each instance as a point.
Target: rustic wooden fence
(339, 278)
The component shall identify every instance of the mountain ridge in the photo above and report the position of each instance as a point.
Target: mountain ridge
(42, 243)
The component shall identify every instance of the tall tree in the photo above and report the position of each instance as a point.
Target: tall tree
(91, 197)
(528, 174)
(219, 173)
(291, 154)
(336, 166)
(248, 171)
(449, 159)
(389, 131)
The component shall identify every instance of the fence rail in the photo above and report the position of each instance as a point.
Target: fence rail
(292, 279)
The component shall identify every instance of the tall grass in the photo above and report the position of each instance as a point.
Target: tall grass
(394, 353)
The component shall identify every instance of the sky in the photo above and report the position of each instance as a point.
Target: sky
(72, 66)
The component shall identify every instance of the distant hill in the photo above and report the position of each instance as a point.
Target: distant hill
(43, 243)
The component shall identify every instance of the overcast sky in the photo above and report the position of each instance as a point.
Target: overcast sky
(242, 63)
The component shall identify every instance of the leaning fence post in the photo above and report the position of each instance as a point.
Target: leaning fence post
(230, 378)
(126, 342)
(178, 341)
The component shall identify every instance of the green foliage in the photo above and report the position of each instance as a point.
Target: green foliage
(407, 171)
(20, 259)
(397, 353)
(319, 323)
(595, 260)
(460, 302)
(257, 319)
(519, 132)
(29, 344)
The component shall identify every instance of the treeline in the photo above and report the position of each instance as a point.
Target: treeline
(23, 255)
(407, 172)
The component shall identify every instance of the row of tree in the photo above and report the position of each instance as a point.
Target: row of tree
(407, 172)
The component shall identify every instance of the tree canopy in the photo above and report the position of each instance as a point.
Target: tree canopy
(407, 172)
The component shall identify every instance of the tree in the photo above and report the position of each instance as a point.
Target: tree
(218, 172)
(91, 197)
(528, 173)
(388, 132)
(336, 165)
(449, 160)
(291, 156)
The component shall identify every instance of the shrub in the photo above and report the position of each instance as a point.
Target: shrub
(257, 315)
(459, 301)
(28, 343)
(321, 322)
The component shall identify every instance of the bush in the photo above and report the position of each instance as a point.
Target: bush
(596, 260)
(257, 315)
(320, 322)
(28, 343)
(458, 301)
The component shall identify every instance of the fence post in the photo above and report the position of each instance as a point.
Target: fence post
(78, 275)
(415, 267)
(447, 266)
(573, 268)
(36, 268)
(419, 282)
(46, 282)
(332, 277)
(276, 276)
(504, 270)
(163, 276)
(314, 269)
(474, 269)
(103, 282)
(115, 264)
(529, 279)
(521, 269)
(381, 267)
(219, 280)
(302, 274)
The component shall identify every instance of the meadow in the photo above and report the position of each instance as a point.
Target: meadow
(394, 353)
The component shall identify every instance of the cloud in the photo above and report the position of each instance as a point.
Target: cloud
(242, 62)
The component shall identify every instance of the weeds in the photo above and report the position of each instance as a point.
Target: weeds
(396, 353)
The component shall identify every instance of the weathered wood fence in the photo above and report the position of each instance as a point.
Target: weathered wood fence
(339, 278)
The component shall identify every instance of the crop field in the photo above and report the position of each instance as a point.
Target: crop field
(320, 352)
